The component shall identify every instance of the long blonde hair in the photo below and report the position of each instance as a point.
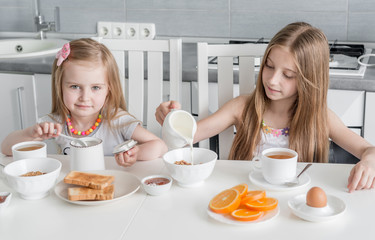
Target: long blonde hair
(308, 134)
(87, 49)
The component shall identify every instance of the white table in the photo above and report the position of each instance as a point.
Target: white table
(53, 218)
(181, 213)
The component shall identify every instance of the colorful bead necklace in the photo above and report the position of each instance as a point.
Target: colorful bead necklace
(83, 133)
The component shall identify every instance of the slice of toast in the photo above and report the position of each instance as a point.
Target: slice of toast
(91, 180)
(85, 193)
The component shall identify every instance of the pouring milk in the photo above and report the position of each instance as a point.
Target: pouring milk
(179, 128)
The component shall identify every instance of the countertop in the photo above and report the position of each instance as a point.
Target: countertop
(43, 65)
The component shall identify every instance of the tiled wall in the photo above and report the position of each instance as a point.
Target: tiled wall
(345, 20)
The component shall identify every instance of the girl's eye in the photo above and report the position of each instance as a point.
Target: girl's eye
(74, 86)
(96, 88)
(269, 66)
(288, 76)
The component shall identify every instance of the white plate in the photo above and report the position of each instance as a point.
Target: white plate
(335, 207)
(227, 218)
(125, 185)
(257, 179)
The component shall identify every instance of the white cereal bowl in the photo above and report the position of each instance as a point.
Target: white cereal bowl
(190, 175)
(155, 189)
(35, 187)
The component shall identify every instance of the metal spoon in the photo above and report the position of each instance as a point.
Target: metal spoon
(79, 141)
(296, 180)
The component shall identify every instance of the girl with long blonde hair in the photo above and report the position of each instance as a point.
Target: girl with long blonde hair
(288, 108)
(87, 100)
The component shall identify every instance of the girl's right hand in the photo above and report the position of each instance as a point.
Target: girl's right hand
(164, 108)
(45, 130)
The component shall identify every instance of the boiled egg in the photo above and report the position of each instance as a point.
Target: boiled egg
(316, 197)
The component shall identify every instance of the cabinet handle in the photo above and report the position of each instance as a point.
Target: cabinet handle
(20, 105)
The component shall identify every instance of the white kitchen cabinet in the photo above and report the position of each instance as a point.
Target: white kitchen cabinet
(43, 94)
(370, 118)
(18, 102)
(349, 106)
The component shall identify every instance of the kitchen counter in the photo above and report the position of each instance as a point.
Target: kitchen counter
(189, 71)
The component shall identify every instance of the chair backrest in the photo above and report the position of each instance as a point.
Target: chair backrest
(225, 53)
(130, 55)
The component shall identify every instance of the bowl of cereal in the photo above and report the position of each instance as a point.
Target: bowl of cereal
(32, 178)
(190, 167)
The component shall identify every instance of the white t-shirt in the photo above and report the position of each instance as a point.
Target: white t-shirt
(110, 137)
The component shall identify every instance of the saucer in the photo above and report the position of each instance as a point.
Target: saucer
(257, 179)
(335, 207)
(227, 218)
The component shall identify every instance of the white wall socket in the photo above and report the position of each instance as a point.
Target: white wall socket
(118, 30)
(132, 30)
(126, 30)
(147, 31)
(104, 29)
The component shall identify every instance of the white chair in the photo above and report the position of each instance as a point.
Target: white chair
(135, 91)
(225, 54)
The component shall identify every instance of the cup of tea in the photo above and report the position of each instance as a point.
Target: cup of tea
(89, 157)
(29, 149)
(278, 165)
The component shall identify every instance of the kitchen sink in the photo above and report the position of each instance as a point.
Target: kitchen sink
(28, 47)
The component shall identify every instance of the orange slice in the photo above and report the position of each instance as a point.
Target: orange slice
(263, 204)
(253, 196)
(242, 188)
(246, 214)
(226, 201)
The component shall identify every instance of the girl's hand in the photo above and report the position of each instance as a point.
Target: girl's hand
(164, 108)
(128, 158)
(45, 130)
(362, 176)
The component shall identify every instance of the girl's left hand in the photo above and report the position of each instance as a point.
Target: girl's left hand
(362, 176)
(128, 158)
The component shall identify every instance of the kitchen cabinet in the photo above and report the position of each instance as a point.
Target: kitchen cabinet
(349, 107)
(370, 118)
(18, 102)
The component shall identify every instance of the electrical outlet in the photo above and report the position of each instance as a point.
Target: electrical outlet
(147, 31)
(118, 30)
(132, 30)
(104, 29)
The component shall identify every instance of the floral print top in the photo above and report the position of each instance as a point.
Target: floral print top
(273, 138)
(275, 132)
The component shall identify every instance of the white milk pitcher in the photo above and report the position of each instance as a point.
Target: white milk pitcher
(179, 128)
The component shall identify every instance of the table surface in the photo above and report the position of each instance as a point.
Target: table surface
(182, 212)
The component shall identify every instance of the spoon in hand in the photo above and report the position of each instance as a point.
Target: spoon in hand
(296, 180)
(79, 141)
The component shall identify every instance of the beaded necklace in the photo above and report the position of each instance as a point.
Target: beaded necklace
(83, 133)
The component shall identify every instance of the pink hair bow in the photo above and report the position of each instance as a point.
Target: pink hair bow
(63, 54)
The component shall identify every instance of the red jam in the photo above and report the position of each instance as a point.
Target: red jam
(157, 181)
(2, 198)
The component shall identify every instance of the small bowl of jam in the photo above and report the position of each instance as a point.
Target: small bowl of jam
(4, 199)
(156, 184)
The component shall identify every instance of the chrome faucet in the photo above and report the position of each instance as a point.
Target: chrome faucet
(41, 25)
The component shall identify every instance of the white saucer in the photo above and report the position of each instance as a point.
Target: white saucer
(335, 207)
(227, 218)
(257, 179)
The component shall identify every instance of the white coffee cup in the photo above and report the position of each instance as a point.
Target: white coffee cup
(86, 158)
(29, 149)
(278, 165)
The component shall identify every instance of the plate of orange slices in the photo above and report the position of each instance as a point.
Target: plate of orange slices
(238, 206)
